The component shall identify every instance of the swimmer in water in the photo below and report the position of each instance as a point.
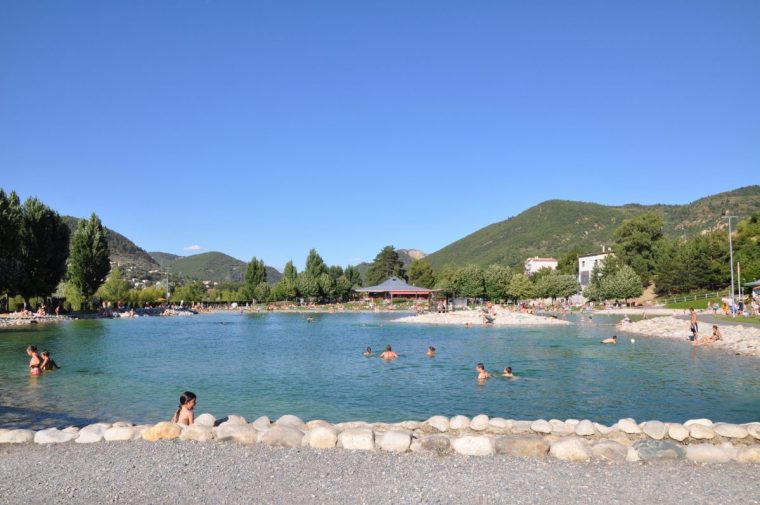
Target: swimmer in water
(431, 351)
(309, 319)
(368, 352)
(611, 340)
(35, 361)
(388, 354)
(482, 373)
(184, 414)
(48, 363)
(508, 373)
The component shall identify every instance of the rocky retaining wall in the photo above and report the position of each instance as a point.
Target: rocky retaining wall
(697, 440)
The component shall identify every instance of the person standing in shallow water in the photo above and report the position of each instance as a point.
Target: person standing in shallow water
(694, 325)
(184, 414)
(388, 354)
(35, 361)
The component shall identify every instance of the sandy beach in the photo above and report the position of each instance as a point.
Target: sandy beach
(474, 317)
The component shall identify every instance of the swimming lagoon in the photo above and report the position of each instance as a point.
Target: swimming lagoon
(278, 363)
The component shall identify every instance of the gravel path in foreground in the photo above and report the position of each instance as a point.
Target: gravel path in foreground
(186, 473)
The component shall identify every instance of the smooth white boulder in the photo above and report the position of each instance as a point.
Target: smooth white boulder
(753, 429)
(282, 436)
(678, 432)
(262, 423)
(71, 429)
(702, 421)
(323, 437)
(241, 433)
(701, 432)
(629, 426)
(655, 429)
(707, 453)
(541, 426)
(53, 436)
(729, 430)
(473, 445)
(395, 441)
(459, 422)
(164, 430)
(585, 428)
(410, 425)
(92, 433)
(632, 455)
(17, 437)
(198, 433)
(234, 419)
(438, 423)
(609, 450)
(521, 427)
(748, 454)
(479, 423)
(358, 439)
(604, 430)
(291, 421)
(560, 428)
(119, 433)
(571, 449)
(499, 425)
(205, 419)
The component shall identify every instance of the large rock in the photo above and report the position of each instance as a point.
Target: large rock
(571, 449)
(440, 444)
(521, 427)
(198, 433)
(262, 423)
(702, 422)
(479, 423)
(678, 432)
(92, 433)
(607, 450)
(753, 429)
(282, 436)
(232, 419)
(707, 453)
(499, 425)
(437, 423)
(585, 428)
(655, 429)
(359, 439)
(561, 428)
(396, 441)
(459, 423)
(649, 450)
(205, 419)
(241, 433)
(541, 426)
(291, 421)
(473, 445)
(53, 436)
(602, 429)
(119, 433)
(409, 425)
(629, 426)
(730, 430)
(748, 454)
(632, 455)
(71, 429)
(162, 431)
(351, 425)
(701, 432)
(524, 446)
(323, 437)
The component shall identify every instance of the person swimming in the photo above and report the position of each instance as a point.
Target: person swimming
(184, 414)
(47, 362)
(611, 340)
(388, 354)
(368, 352)
(482, 372)
(35, 361)
(431, 351)
(508, 373)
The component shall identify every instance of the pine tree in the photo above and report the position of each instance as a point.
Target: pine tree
(90, 262)
(386, 265)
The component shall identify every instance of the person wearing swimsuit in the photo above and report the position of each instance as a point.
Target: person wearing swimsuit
(184, 414)
(35, 362)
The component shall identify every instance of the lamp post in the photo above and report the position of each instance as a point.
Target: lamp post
(731, 255)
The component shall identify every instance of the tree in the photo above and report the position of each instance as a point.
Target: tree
(44, 248)
(335, 271)
(261, 292)
(10, 240)
(315, 265)
(190, 292)
(469, 282)
(326, 285)
(353, 276)
(445, 279)
(635, 243)
(421, 274)
(285, 289)
(343, 288)
(568, 264)
(625, 284)
(497, 279)
(290, 271)
(747, 247)
(255, 274)
(308, 286)
(115, 288)
(386, 265)
(89, 262)
(520, 287)
(667, 278)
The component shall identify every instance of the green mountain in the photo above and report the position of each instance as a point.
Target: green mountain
(128, 256)
(555, 227)
(211, 266)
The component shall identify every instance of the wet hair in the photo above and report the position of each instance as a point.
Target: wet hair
(369, 349)
(32, 348)
(388, 347)
(45, 353)
(184, 398)
(431, 348)
(508, 369)
(614, 337)
(480, 365)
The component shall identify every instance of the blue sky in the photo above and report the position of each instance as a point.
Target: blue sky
(268, 128)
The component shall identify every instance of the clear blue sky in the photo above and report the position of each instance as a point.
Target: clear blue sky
(269, 128)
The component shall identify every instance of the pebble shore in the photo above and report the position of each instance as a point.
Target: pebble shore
(474, 317)
(697, 440)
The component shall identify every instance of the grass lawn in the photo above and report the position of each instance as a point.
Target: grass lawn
(740, 319)
(697, 304)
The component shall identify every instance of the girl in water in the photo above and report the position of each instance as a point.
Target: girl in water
(508, 373)
(184, 414)
(48, 363)
(35, 362)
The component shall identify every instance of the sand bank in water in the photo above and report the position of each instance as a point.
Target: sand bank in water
(502, 318)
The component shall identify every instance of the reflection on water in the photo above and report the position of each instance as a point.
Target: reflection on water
(273, 364)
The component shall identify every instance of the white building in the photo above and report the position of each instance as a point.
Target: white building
(533, 265)
(586, 264)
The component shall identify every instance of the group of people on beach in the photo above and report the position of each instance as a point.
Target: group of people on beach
(694, 329)
(39, 362)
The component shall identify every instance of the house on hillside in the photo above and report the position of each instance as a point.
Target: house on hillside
(586, 264)
(533, 265)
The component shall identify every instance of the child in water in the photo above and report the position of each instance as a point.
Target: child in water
(47, 362)
(482, 373)
(508, 373)
(431, 351)
(184, 414)
(368, 352)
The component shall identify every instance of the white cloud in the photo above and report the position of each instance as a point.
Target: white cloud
(194, 247)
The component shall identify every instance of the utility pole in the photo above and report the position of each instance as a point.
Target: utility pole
(731, 255)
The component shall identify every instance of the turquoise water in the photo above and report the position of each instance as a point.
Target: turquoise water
(273, 364)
